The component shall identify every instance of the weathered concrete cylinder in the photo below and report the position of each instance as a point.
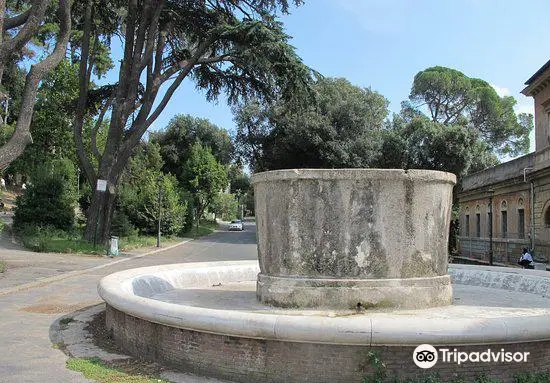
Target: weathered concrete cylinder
(336, 238)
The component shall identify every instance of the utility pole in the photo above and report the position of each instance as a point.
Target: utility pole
(239, 206)
(159, 211)
(491, 227)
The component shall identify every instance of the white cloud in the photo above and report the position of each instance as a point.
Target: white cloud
(501, 91)
(525, 108)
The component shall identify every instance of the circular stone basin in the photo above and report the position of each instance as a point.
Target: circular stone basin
(204, 318)
(335, 238)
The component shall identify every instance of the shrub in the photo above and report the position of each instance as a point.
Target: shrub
(140, 204)
(49, 200)
(121, 225)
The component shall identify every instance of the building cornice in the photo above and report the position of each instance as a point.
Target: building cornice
(539, 81)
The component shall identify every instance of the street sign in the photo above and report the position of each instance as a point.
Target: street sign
(101, 185)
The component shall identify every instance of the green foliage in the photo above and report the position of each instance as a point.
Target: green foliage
(187, 196)
(225, 206)
(138, 198)
(533, 377)
(6, 131)
(239, 181)
(47, 239)
(50, 199)
(248, 202)
(97, 370)
(205, 178)
(263, 64)
(431, 145)
(237, 48)
(13, 83)
(452, 98)
(204, 228)
(424, 144)
(343, 128)
(51, 124)
(51, 240)
(121, 225)
(381, 375)
(182, 133)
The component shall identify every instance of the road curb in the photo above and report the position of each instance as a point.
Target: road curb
(60, 277)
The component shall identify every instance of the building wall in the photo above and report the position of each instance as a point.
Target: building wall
(542, 119)
(514, 196)
(509, 186)
(509, 196)
(542, 208)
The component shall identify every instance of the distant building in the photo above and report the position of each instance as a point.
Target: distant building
(513, 197)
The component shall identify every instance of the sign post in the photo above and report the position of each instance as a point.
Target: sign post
(101, 187)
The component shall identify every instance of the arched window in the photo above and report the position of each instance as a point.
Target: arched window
(503, 219)
(521, 219)
(478, 222)
(547, 217)
(466, 230)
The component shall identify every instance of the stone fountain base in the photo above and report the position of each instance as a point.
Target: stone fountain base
(204, 319)
(409, 293)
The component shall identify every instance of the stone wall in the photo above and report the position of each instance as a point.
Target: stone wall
(542, 119)
(269, 361)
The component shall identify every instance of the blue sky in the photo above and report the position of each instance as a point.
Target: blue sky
(382, 44)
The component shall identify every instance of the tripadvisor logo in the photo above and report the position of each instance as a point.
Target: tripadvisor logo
(426, 356)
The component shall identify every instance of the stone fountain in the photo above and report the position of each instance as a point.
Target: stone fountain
(351, 262)
(338, 238)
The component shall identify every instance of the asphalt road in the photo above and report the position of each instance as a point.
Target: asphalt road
(28, 310)
(222, 245)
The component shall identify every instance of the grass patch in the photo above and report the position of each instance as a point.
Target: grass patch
(2, 267)
(48, 240)
(133, 242)
(205, 228)
(95, 369)
(59, 346)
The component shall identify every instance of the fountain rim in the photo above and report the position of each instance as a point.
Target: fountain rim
(350, 330)
(421, 175)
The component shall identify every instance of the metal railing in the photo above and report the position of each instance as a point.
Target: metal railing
(506, 247)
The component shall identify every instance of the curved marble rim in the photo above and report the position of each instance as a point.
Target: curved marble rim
(365, 330)
(355, 174)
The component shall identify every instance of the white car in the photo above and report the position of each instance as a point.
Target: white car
(236, 225)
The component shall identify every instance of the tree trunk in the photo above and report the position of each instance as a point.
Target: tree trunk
(22, 136)
(100, 214)
(101, 210)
